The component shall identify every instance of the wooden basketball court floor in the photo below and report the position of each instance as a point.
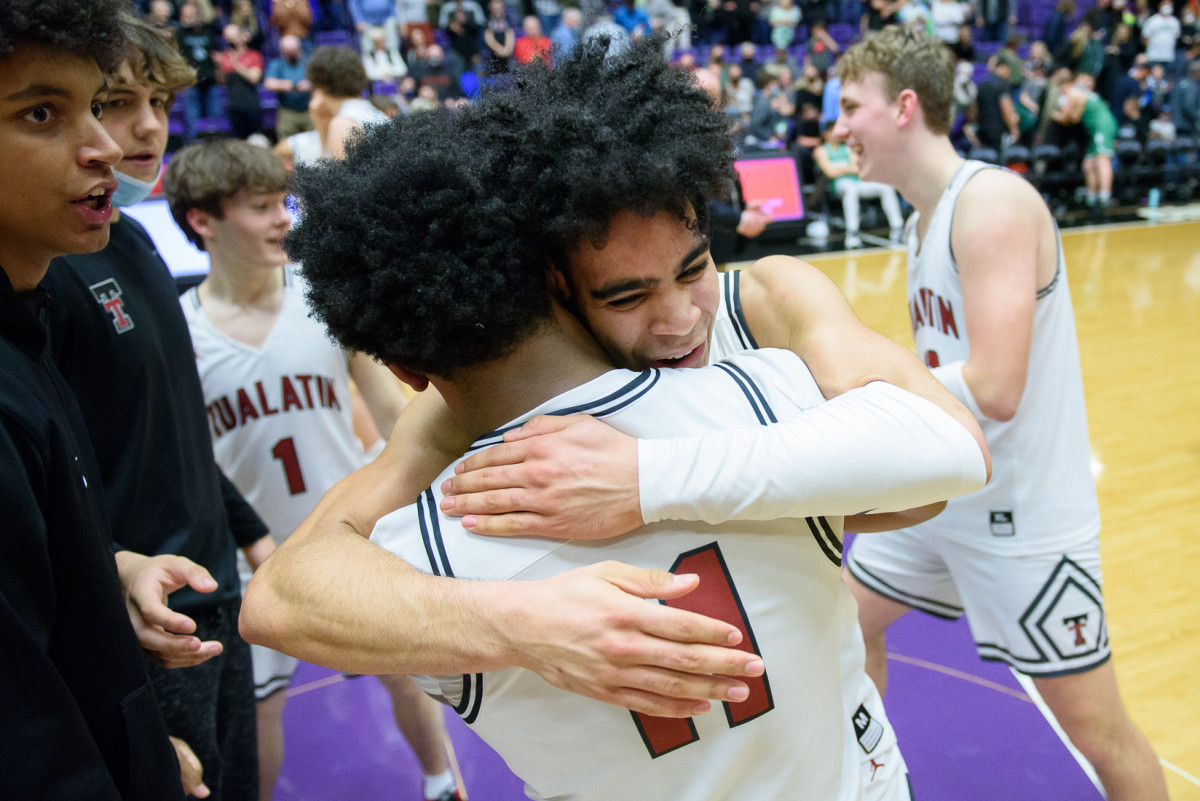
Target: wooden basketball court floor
(969, 729)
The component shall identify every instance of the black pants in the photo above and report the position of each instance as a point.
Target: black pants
(211, 707)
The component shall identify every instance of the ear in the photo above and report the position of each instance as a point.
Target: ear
(557, 281)
(417, 381)
(907, 106)
(201, 222)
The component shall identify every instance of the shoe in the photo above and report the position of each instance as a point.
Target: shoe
(817, 229)
(449, 795)
(853, 241)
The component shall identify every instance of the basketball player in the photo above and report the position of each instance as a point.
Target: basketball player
(469, 300)
(1082, 106)
(277, 394)
(993, 554)
(121, 341)
(992, 316)
(691, 117)
(79, 714)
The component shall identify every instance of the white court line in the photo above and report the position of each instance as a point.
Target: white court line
(958, 674)
(1179, 770)
(315, 685)
(1030, 688)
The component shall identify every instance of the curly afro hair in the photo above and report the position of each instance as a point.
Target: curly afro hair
(410, 255)
(600, 133)
(82, 28)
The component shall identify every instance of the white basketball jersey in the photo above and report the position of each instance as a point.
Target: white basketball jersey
(862, 705)
(279, 414)
(1041, 494)
(788, 740)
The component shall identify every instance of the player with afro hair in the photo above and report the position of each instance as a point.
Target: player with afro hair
(464, 279)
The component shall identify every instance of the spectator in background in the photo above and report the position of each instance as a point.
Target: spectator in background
(549, 12)
(162, 13)
(995, 115)
(1054, 32)
(499, 38)
(770, 114)
(463, 31)
(633, 19)
(737, 93)
(784, 19)
(292, 18)
(839, 166)
(1161, 35)
(412, 14)
(337, 106)
(241, 70)
(198, 40)
(534, 44)
(287, 77)
(993, 18)
(748, 58)
(1128, 90)
(380, 62)
(244, 14)
(1185, 102)
(565, 38)
(439, 71)
(670, 16)
(367, 14)
(964, 47)
(1084, 107)
(471, 8)
(948, 16)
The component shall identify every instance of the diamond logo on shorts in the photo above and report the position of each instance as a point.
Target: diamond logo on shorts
(1002, 524)
(1067, 618)
(868, 730)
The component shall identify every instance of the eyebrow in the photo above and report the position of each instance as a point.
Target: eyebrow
(37, 90)
(609, 291)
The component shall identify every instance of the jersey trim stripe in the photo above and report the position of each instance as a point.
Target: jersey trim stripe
(1048, 288)
(878, 585)
(733, 303)
(753, 394)
(472, 697)
(431, 535)
(829, 542)
(990, 652)
(634, 389)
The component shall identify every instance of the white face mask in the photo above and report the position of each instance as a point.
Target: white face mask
(131, 191)
(1166, 11)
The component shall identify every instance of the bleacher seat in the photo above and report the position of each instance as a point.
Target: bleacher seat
(987, 154)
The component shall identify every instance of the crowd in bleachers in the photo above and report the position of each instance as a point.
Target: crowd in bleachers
(1019, 63)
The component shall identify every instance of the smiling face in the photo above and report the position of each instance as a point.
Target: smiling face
(250, 231)
(57, 165)
(136, 117)
(867, 123)
(650, 295)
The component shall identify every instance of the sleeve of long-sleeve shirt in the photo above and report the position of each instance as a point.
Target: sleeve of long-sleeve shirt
(244, 522)
(877, 448)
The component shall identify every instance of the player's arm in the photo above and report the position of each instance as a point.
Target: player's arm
(1005, 251)
(880, 450)
(342, 601)
(381, 391)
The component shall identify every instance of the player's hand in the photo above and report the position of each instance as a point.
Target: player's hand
(566, 477)
(191, 772)
(589, 631)
(164, 634)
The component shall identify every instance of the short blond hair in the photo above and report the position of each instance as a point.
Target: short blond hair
(907, 58)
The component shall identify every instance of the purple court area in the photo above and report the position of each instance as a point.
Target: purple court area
(966, 728)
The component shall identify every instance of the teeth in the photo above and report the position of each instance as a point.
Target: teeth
(97, 192)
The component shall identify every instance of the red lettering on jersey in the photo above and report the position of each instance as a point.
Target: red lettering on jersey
(290, 398)
(211, 411)
(225, 411)
(262, 400)
(246, 409)
(1076, 625)
(332, 396)
(304, 381)
(717, 597)
(947, 317)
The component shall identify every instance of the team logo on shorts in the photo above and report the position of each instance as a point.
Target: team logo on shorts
(1066, 620)
(108, 294)
(1002, 524)
(867, 729)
